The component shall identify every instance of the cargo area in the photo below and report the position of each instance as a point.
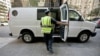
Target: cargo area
(56, 15)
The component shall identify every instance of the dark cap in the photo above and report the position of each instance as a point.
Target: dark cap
(47, 11)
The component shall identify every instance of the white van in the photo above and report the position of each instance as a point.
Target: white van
(25, 22)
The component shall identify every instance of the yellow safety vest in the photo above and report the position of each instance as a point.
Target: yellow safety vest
(46, 24)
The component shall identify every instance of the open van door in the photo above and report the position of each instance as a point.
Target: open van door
(64, 18)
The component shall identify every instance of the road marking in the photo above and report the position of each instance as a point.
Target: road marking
(5, 41)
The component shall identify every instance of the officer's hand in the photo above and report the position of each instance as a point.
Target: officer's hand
(65, 23)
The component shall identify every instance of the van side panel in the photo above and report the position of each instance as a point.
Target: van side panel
(26, 19)
(74, 28)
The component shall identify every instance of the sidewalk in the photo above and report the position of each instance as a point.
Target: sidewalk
(5, 41)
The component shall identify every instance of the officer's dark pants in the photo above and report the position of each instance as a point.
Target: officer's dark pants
(48, 40)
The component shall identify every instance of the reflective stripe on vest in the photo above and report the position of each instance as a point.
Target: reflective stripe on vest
(46, 24)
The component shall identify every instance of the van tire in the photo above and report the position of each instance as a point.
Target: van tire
(27, 37)
(83, 37)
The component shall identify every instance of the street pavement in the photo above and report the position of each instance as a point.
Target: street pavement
(4, 31)
(13, 47)
(5, 41)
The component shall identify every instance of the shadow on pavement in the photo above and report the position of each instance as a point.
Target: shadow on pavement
(57, 40)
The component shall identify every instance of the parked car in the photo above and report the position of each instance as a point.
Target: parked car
(97, 21)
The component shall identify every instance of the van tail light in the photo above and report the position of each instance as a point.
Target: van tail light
(8, 15)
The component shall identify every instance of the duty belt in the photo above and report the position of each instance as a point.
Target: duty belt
(46, 26)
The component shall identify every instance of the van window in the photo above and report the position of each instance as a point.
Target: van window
(40, 13)
(55, 13)
(14, 13)
(64, 13)
(73, 15)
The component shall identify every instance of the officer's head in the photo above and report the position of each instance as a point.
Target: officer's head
(48, 13)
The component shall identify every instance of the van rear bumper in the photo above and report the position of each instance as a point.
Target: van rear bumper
(93, 34)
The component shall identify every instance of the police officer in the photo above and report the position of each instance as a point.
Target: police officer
(47, 24)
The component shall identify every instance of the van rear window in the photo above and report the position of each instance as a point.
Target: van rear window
(14, 13)
(40, 13)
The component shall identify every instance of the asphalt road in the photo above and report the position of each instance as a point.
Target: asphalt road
(16, 47)
(4, 31)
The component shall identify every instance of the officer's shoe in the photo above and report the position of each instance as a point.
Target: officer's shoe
(51, 51)
(47, 49)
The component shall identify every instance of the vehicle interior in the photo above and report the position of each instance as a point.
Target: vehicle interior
(56, 15)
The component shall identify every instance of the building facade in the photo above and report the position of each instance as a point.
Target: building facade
(25, 3)
(5, 5)
(16, 3)
(30, 3)
(53, 3)
(20, 3)
(83, 6)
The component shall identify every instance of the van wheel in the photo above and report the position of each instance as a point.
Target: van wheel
(83, 37)
(27, 37)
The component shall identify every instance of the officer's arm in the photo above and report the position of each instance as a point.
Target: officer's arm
(58, 22)
(61, 23)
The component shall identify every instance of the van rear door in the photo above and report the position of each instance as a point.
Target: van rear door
(64, 18)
